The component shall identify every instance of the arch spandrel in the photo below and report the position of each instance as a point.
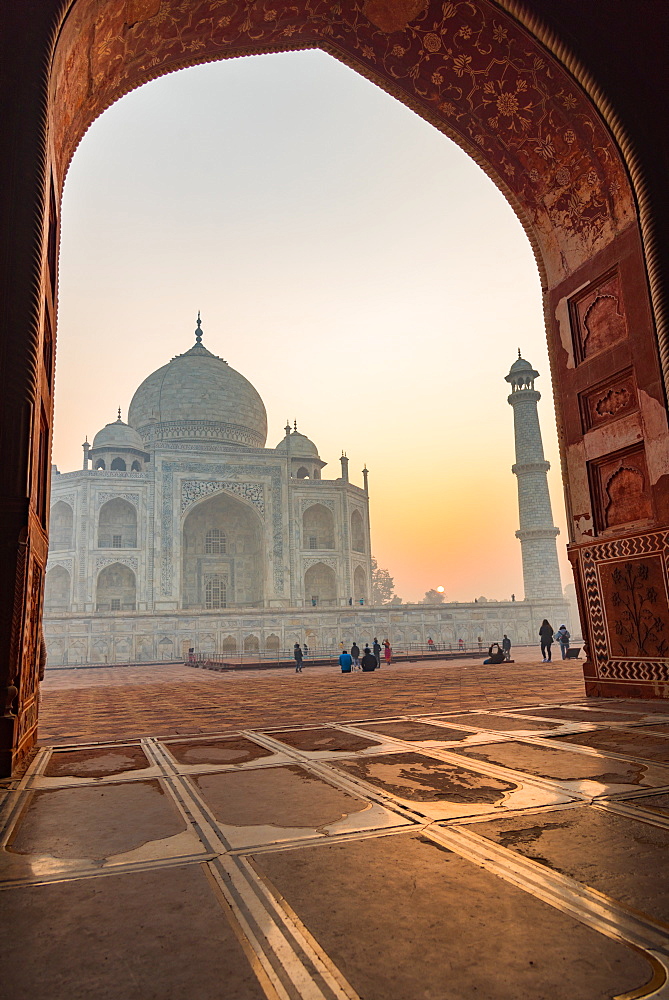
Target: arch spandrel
(468, 67)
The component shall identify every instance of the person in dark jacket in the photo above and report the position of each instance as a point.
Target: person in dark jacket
(376, 649)
(355, 653)
(546, 637)
(506, 646)
(368, 661)
(297, 654)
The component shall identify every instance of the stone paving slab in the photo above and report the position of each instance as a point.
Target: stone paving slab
(310, 837)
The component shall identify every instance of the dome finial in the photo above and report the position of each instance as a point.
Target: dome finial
(287, 427)
(518, 350)
(119, 414)
(295, 425)
(198, 330)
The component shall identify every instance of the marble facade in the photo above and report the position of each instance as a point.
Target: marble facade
(183, 510)
(145, 637)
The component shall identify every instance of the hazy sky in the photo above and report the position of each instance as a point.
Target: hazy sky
(353, 263)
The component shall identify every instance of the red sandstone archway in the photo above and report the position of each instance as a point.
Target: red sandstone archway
(492, 79)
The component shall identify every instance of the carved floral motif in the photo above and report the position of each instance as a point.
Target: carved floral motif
(193, 490)
(467, 66)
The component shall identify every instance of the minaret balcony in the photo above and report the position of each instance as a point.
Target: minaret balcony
(519, 469)
(526, 533)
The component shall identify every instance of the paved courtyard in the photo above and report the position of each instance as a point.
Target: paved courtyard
(433, 831)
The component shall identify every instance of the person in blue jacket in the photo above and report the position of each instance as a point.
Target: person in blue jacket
(345, 662)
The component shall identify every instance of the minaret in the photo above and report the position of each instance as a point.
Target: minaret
(537, 534)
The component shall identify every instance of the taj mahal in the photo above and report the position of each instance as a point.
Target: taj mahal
(183, 530)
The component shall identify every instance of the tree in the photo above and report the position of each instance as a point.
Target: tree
(383, 585)
(433, 597)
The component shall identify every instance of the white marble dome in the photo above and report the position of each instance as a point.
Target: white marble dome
(300, 446)
(118, 436)
(198, 396)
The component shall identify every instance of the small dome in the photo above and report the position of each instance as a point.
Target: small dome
(521, 365)
(300, 446)
(118, 436)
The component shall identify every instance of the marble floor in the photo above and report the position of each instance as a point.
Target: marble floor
(511, 851)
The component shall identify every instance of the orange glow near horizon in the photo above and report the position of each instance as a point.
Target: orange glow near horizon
(355, 265)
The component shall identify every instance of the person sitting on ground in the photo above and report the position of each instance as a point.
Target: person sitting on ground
(368, 660)
(355, 653)
(345, 662)
(506, 646)
(495, 654)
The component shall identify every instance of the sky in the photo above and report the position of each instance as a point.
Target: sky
(349, 260)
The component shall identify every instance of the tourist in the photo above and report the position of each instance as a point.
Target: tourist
(430, 645)
(387, 651)
(506, 646)
(562, 636)
(461, 644)
(480, 642)
(546, 637)
(376, 649)
(305, 650)
(369, 661)
(297, 655)
(355, 653)
(345, 662)
(495, 654)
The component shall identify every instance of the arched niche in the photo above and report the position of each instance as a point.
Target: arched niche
(318, 528)
(116, 589)
(57, 589)
(61, 526)
(118, 465)
(251, 644)
(320, 585)
(165, 648)
(357, 532)
(272, 643)
(117, 525)
(229, 645)
(302, 472)
(359, 584)
(136, 466)
(222, 551)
